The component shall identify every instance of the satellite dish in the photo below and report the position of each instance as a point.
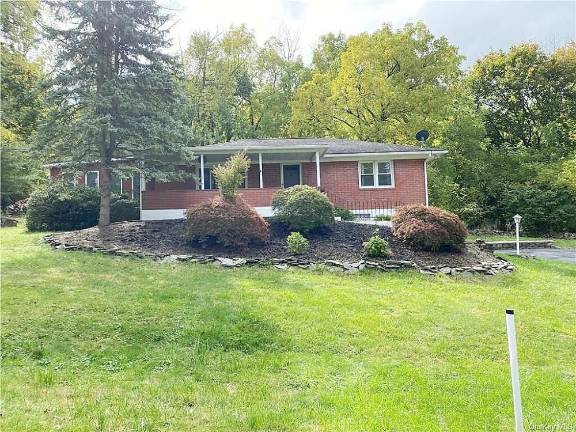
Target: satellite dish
(422, 135)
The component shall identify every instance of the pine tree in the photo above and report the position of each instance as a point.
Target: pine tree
(114, 90)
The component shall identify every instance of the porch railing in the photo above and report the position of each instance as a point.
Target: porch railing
(368, 208)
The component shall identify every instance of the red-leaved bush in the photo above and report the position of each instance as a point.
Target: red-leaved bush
(230, 223)
(429, 228)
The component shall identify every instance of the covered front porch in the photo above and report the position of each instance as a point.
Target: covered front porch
(269, 171)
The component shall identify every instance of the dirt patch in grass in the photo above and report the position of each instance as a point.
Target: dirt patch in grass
(343, 241)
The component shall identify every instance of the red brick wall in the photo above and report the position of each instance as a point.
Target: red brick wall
(177, 199)
(338, 179)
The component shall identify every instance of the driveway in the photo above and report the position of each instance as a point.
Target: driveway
(566, 255)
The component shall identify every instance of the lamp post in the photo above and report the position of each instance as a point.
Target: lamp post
(517, 220)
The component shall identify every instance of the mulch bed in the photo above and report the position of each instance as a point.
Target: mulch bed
(343, 241)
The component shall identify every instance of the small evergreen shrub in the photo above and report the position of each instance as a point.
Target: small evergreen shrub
(296, 243)
(230, 174)
(383, 217)
(232, 224)
(303, 208)
(61, 207)
(376, 246)
(343, 213)
(123, 209)
(429, 228)
(57, 207)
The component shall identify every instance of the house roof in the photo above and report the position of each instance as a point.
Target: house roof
(328, 146)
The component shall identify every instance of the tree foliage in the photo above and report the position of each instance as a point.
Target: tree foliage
(237, 88)
(387, 86)
(21, 94)
(114, 91)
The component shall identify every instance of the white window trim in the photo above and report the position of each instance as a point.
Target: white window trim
(375, 174)
(282, 173)
(97, 178)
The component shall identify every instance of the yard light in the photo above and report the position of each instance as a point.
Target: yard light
(517, 220)
(511, 330)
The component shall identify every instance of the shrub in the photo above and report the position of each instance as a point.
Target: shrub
(230, 174)
(57, 207)
(383, 217)
(123, 209)
(296, 243)
(429, 228)
(61, 207)
(303, 208)
(376, 246)
(232, 224)
(544, 209)
(343, 213)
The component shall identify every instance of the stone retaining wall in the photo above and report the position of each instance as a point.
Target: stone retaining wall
(524, 244)
(485, 268)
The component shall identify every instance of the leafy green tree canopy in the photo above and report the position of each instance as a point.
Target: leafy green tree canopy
(388, 85)
(114, 90)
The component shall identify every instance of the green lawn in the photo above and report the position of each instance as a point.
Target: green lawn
(96, 343)
(561, 243)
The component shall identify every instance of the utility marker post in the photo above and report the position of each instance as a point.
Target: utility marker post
(517, 220)
(511, 329)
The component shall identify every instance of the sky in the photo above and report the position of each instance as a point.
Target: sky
(475, 26)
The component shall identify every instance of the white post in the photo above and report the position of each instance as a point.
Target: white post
(260, 166)
(202, 171)
(318, 169)
(510, 327)
(517, 220)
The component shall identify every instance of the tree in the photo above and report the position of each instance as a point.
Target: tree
(326, 55)
(387, 86)
(114, 90)
(239, 89)
(528, 98)
(21, 94)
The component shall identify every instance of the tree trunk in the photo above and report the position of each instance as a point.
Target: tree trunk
(104, 180)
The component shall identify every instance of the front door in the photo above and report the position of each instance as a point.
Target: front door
(290, 175)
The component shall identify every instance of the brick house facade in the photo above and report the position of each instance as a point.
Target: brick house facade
(365, 177)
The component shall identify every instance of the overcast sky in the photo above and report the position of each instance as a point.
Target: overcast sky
(476, 27)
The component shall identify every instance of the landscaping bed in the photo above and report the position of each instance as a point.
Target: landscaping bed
(340, 243)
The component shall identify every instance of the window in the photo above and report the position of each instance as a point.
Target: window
(375, 174)
(136, 187)
(116, 183)
(210, 180)
(91, 179)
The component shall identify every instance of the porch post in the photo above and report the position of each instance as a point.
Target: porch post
(318, 169)
(202, 171)
(260, 166)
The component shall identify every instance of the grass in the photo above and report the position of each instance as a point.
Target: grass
(97, 343)
(560, 242)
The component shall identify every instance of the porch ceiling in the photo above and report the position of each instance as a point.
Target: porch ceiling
(301, 156)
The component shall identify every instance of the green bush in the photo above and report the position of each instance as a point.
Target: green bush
(544, 209)
(296, 243)
(303, 208)
(429, 228)
(232, 224)
(383, 217)
(123, 209)
(57, 207)
(61, 207)
(230, 174)
(343, 213)
(376, 246)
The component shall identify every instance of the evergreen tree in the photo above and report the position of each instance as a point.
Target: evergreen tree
(114, 92)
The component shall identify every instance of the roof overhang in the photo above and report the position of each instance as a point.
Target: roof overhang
(259, 149)
(424, 154)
